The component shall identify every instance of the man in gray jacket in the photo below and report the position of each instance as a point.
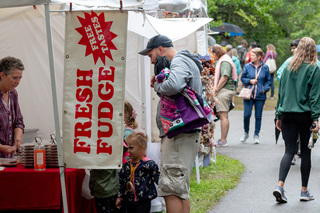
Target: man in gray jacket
(178, 153)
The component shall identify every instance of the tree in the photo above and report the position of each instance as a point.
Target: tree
(269, 21)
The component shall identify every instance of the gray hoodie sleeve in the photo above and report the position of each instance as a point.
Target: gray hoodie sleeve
(184, 71)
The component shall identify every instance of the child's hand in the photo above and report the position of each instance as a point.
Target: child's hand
(118, 203)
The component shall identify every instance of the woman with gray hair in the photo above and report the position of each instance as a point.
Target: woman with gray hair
(11, 120)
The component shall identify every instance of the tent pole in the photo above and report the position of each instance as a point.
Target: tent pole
(145, 122)
(55, 108)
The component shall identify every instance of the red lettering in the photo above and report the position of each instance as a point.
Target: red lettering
(82, 76)
(80, 129)
(84, 95)
(105, 134)
(83, 129)
(108, 110)
(109, 91)
(80, 146)
(106, 75)
(83, 112)
(105, 109)
(103, 147)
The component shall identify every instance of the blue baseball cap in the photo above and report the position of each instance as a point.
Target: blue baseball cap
(157, 41)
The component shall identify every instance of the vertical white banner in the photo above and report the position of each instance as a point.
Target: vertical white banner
(94, 89)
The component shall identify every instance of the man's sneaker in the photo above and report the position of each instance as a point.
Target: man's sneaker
(278, 192)
(256, 139)
(244, 137)
(222, 143)
(306, 196)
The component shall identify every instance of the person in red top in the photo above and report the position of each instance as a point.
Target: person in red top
(248, 56)
(11, 120)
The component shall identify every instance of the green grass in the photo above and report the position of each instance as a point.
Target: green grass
(215, 181)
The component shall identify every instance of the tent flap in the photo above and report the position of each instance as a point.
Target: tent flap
(175, 28)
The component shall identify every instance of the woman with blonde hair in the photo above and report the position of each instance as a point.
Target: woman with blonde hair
(235, 58)
(298, 108)
(255, 75)
(271, 54)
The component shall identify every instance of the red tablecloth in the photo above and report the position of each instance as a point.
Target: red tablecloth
(26, 189)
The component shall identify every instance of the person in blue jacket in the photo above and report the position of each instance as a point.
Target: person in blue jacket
(293, 45)
(255, 74)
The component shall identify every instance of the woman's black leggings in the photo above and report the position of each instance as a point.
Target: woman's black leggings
(293, 124)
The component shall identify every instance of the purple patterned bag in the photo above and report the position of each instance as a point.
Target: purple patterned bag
(183, 112)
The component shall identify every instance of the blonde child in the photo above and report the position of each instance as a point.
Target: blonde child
(104, 183)
(130, 125)
(138, 176)
(129, 119)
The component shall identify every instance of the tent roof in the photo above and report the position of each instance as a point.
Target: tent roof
(140, 23)
(20, 3)
(198, 8)
(91, 3)
(175, 28)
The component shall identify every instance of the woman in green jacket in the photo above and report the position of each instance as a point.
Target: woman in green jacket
(298, 107)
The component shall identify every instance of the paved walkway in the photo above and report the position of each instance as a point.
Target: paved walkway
(262, 161)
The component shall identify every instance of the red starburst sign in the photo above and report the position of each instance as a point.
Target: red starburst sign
(96, 36)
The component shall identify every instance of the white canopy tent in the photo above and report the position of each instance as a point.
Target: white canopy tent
(24, 35)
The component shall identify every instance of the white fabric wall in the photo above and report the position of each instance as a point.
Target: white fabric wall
(23, 36)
